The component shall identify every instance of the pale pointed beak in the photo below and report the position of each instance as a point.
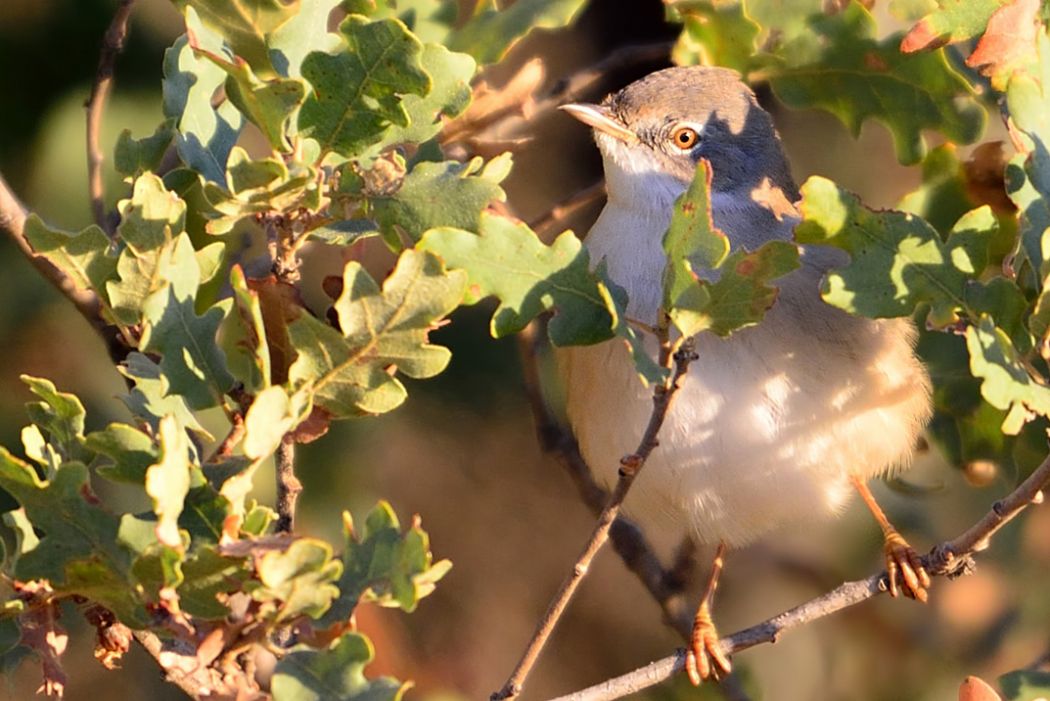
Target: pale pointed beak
(602, 119)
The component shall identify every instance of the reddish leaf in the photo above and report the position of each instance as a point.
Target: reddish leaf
(1008, 41)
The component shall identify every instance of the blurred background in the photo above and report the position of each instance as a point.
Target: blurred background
(462, 452)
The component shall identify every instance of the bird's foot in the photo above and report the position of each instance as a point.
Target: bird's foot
(705, 659)
(904, 569)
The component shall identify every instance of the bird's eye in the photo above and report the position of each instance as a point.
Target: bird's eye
(684, 138)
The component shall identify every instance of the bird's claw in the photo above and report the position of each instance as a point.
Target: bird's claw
(904, 569)
(704, 658)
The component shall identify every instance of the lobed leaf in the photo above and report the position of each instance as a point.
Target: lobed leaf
(299, 581)
(84, 257)
(168, 481)
(897, 260)
(490, 33)
(506, 259)
(335, 674)
(1006, 383)
(244, 24)
(356, 92)
(951, 22)
(384, 565)
(857, 77)
(383, 331)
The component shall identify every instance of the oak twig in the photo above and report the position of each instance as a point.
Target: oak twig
(112, 45)
(949, 559)
(628, 540)
(678, 362)
(288, 485)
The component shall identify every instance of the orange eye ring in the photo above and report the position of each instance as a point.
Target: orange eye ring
(684, 138)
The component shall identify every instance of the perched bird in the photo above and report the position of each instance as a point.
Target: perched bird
(779, 423)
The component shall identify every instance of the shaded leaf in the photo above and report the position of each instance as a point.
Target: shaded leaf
(440, 194)
(130, 452)
(384, 565)
(132, 157)
(151, 398)
(1025, 685)
(79, 552)
(268, 104)
(208, 574)
(205, 133)
(249, 356)
(335, 674)
(490, 33)
(60, 414)
(307, 31)
(356, 92)
(897, 260)
(383, 330)
(857, 77)
(714, 34)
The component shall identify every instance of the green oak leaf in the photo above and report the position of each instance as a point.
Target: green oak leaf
(156, 566)
(151, 398)
(1006, 383)
(1025, 685)
(190, 356)
(449, 96)
(897, 260)
(713, 34)
(243, 24)
(440, 194)
(60, 414)
(429, 20)
(383, 329)
(857, 77)
(356, 91)
(307, 31)
(941, 198)
(168, 481)
(299, 581)
(205, 134)
(268, 104)
(79, 552)
(741, 296)
(507, 259)
(334, 674)
(206, 575)
(132, 157)
(382, 564)
(127, 451)
(490, 33)
(952, 21)
(84, 257)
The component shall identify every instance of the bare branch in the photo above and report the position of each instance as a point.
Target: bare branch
(112, 44)
(949, 559)
(627, 538)
(288, 485)
(678, 361)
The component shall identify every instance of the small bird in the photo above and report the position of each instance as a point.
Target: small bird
(777, 424)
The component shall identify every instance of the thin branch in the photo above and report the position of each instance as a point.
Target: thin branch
(288, 485)
(180, 664)
(112, 45)
(628, 540)
(948, 559)
(630, 466)
(567, 207)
